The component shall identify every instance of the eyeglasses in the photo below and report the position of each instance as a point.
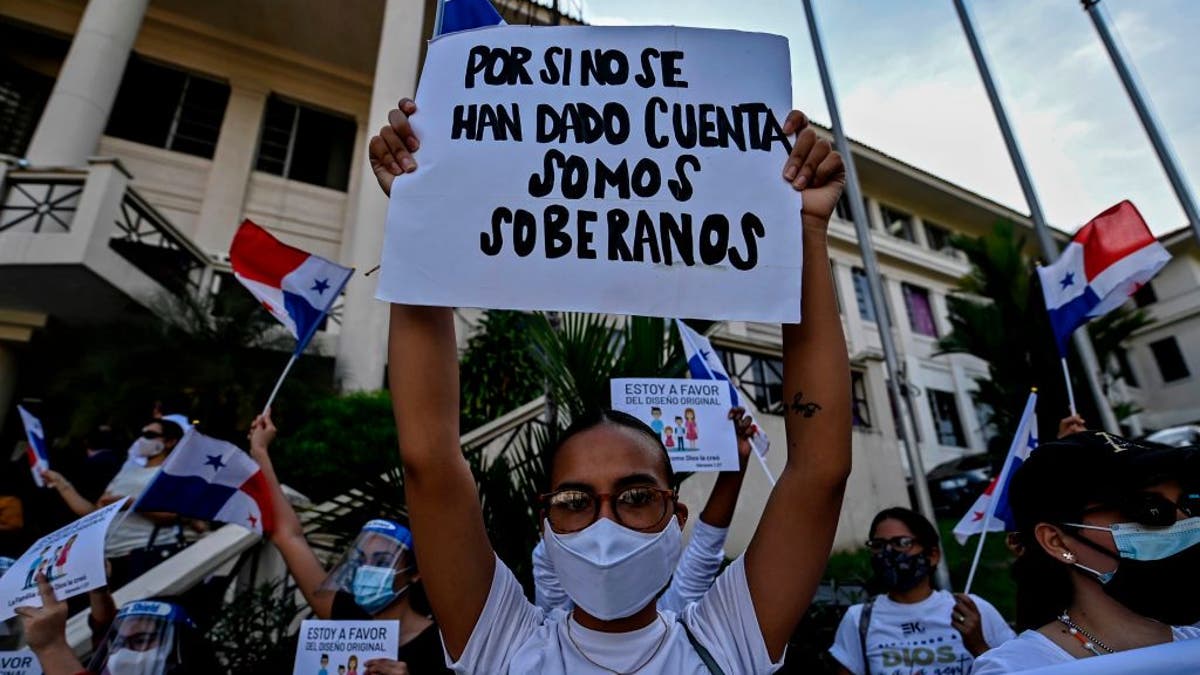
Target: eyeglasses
(641, 507)
(901, 544)
(151, 435)
(138, 642)
(1151, 508)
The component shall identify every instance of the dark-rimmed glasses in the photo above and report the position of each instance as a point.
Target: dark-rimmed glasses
(641, 507)
(901, 544)
(1150, 508)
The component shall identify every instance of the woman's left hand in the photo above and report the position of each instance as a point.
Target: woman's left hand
(966, 620)
(385, 667)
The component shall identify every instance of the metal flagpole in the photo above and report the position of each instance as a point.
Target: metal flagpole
(1133, 87)
(279, 382)
(1050, 251)
(874, 286)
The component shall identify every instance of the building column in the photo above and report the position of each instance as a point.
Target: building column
(77, 112)
(233, 160)
(362, 344)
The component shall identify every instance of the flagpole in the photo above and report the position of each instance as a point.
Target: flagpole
(1083, 344)
(279, 382)
(1022, 435)
(766, 469)
(1158, 138)
(1070, 389)
(858, 214)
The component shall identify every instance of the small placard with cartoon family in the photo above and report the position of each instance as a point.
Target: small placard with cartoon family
(344, 647)
(72, 558)
(690, 416)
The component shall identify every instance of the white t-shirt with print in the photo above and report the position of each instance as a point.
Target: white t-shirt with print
(1032, 650)
(910, 638)
(514, 636)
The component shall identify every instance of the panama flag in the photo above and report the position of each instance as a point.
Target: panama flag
(704, 364)
(991, 511)
(210, 479)
(298, 288)
(467, 14)
(1106, 262)
(39, 459)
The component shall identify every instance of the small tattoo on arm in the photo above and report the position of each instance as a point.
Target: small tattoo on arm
(800, 407)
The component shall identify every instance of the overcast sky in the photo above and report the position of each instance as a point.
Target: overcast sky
(908, 86)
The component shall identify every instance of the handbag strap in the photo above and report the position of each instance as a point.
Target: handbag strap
(705, 656)
(864, 624)
(153, 540)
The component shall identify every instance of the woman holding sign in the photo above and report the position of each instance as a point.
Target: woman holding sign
(376, 578)
(613, 524)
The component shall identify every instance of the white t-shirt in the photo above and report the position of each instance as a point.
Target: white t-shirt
(904, 639)
(134, 530)
(1032, 650)
(514, 636)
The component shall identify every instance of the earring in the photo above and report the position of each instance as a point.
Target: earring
(1068, 556)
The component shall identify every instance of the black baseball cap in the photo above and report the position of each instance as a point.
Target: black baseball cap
(1063, 477)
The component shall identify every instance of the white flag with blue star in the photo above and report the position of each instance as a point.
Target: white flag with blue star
(705, 364)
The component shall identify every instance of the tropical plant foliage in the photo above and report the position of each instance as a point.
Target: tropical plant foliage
(252, 634)
(498, 371)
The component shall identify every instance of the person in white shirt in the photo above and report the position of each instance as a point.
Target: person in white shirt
(614, 523)
(911, 627)
(699, 564)
(1110, 548)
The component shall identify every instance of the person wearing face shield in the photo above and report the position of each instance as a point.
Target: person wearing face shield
(147, 637)
(137, 530)
(702, 557)
(376, 577)
(1110, 533)
(910, 622)
(613, 525)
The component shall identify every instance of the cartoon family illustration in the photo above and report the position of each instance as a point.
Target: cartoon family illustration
(53, 565)
(682, 436)
(350, 668)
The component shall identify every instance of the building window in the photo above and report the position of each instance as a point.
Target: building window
(938, 238)
(168, 108)
(920, 311)
(860, 408)
(759, 377)
(984, 414)
(862, 294)
(23, 95)
(1170, 360)
(1126, 368)
(945, 418)
(897, 223)
(307, 145)
(1145, 295)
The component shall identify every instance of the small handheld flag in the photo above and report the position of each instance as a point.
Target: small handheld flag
(39, 458)
(704, 364)
(296, 287)
(991, 512)
(456, 15)
(210, 479)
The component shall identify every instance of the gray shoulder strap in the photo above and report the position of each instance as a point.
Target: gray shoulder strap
(701, 650)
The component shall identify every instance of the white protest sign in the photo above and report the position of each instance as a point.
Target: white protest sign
(690, 416)
(633, 170)
(323, 646)
(72, 558)
(21, 662)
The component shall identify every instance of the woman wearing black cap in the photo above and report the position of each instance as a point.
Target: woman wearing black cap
(1110, 530)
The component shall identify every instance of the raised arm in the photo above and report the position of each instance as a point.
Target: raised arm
(78, 504)
(453, 551)
(288, 535)
(788, 552)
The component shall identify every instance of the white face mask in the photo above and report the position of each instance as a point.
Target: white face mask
(129, 662)
(146, 447)
(611, 571)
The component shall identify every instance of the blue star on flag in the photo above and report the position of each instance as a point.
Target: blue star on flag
(1068, 280)
(215, 462)
(320, 286)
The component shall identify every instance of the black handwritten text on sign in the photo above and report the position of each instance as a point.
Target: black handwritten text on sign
(628, 170)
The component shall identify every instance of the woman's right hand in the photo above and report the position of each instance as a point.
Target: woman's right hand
(391, 150)
(1071, 425)
(262, 432)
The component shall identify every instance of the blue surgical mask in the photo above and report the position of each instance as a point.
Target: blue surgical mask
(373, 587)
(1140, 542)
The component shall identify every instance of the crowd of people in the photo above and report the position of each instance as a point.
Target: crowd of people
(1108, 531)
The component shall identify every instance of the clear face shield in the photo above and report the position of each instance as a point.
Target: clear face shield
(143, 640)
(374, 569)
